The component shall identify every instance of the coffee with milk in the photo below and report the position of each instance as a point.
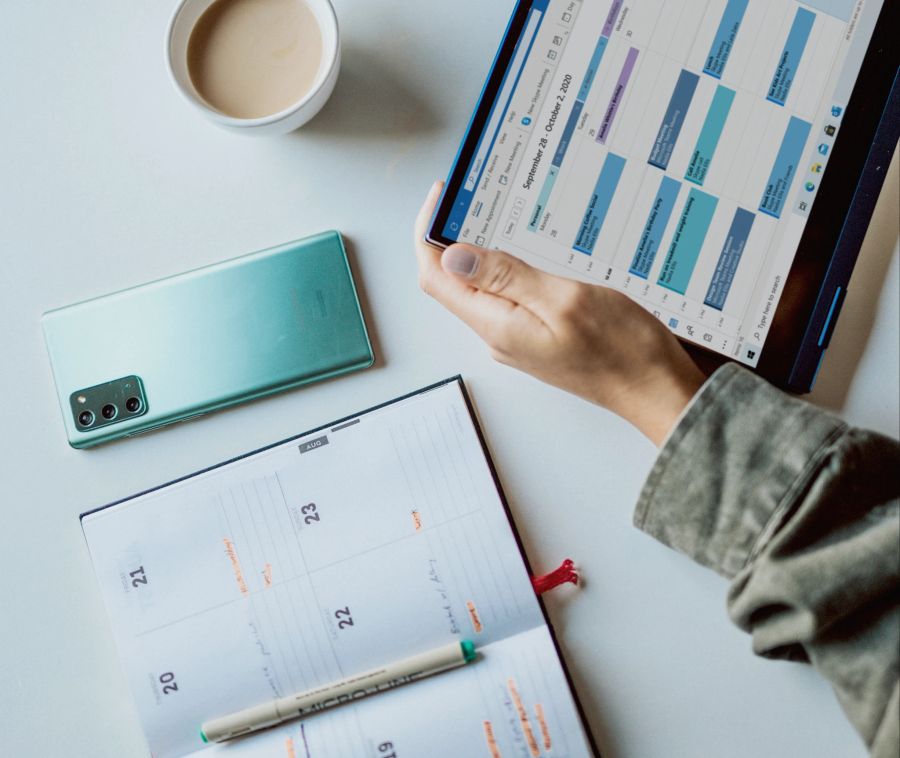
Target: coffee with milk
(253, 58)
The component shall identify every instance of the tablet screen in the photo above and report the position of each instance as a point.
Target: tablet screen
(670, 149)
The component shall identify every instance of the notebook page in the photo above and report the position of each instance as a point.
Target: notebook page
(322, 557)
(513, 702)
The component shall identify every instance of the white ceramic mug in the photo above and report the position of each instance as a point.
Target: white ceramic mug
(182, 24)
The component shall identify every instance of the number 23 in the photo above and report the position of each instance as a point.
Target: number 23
(310, 513)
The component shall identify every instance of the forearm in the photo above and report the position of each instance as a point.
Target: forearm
(801, 513)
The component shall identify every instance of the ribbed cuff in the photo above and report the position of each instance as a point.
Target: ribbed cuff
(732, 469)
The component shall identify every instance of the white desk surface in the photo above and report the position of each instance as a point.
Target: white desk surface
(107, 180)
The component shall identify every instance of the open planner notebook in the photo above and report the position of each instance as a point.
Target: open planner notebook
(372, 539)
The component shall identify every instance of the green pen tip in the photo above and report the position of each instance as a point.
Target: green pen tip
(468, 649)
(203, 737)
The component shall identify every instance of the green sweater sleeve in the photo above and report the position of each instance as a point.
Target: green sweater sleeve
(801, 513)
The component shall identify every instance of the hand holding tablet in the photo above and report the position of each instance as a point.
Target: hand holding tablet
(718, 163)
(588, 340)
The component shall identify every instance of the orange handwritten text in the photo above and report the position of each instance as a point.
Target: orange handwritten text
(542, 722)
(491, 741)
(236, 566)
(289, 748)
(523, 718)
(417, 521)
(473, 616)
(267, 575)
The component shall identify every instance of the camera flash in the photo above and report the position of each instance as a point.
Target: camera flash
(82, 399)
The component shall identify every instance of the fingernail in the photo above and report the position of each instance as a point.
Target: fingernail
(459, 260)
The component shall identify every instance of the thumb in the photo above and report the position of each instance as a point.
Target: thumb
(495, 272)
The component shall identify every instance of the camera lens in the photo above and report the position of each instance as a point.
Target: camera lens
(85, 418)
(109, 411)
(133, 404)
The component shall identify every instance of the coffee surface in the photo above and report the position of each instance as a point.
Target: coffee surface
(253, 58)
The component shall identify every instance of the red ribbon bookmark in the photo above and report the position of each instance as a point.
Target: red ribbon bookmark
(565, 573)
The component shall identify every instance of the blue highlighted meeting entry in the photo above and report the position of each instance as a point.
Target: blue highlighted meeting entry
(571, 124)
(785, 168)
(726, 34)
(657, 221)
(668, 133)
(592, 69)
(709, 137)
(729, 259)
(789, 61)
(690, 234)
(598, 207)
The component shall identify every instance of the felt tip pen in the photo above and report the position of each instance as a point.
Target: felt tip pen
(339, 692)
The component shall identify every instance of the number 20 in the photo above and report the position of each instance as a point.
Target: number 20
(168, 682)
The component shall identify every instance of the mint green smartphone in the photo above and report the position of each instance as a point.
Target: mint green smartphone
(208, 339)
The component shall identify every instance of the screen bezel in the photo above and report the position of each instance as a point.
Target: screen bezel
(479, 120)
(809, 291)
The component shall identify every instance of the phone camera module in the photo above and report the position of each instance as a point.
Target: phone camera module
(104, 405)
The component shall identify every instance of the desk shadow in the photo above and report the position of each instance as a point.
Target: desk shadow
(372, 101)
(590, 702)
(864, 291)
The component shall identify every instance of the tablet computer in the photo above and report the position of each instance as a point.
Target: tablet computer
(717, 161)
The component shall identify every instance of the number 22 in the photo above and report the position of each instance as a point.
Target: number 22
(344, 618)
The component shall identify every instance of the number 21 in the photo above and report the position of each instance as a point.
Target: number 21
(138, 576)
